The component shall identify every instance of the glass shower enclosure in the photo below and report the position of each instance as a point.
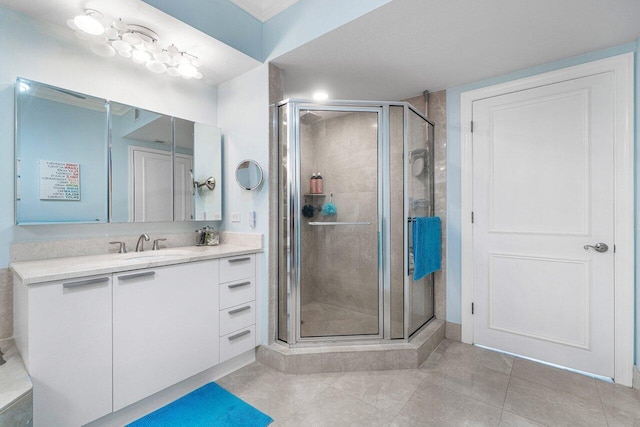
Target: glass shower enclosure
(352, 176)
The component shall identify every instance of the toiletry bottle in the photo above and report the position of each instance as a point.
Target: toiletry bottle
(319, 186)
(313, 185)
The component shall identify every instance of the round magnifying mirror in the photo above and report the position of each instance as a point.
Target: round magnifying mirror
(249, 174)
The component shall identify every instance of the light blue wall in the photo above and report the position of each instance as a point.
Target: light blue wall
(54, 131)
(309, 19)
(221, 19)
(454, 138)
(295, 26)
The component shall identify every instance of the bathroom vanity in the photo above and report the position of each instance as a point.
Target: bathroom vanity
(98, 333)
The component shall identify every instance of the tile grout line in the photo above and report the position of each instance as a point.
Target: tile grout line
(604, 411)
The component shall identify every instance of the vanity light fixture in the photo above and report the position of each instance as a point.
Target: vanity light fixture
(108, 37)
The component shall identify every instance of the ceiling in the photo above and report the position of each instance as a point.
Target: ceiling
(407, 46)
(220, 62)
(264, 9)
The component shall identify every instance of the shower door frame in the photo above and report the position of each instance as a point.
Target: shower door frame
(295, 229)
(384, 212)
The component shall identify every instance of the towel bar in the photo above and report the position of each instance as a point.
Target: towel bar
(339, 223)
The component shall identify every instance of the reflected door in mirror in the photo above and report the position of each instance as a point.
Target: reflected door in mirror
(152, 193)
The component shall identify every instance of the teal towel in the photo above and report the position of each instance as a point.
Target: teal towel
(210, 405)
(426, 246)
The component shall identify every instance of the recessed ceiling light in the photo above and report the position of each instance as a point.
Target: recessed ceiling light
(320, 95)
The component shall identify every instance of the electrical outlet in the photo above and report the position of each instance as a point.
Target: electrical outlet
(235, 216)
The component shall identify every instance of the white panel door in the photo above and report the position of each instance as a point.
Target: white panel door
(183, 188)
(543, 183)
(152, 187)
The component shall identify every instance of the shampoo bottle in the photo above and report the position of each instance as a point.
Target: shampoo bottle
(319, 186)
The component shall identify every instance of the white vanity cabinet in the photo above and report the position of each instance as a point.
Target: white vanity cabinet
(94, 345)
(237, 305)
(165, 323)
(63, 331)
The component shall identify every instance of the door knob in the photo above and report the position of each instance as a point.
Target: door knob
(599, 247)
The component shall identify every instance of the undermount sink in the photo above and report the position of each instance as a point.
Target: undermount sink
(157, 255)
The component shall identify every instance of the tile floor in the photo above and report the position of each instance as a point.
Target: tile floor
(458, 385)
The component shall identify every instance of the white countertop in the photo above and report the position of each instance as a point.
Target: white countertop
(39, 271)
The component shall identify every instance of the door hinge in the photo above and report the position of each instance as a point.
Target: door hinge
(472, 309)
(614, 249)
(472, 218)
(471, 126)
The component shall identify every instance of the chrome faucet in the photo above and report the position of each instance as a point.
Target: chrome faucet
(140, 244)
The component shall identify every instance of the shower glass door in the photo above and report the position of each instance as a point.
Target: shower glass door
(340, 282)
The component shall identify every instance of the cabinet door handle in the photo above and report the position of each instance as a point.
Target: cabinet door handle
(237, 285)
(239, 310)
(239, 334)
(137, 275)
(85, 282)
(247, 258)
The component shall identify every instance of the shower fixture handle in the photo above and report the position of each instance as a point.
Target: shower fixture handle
(598, 247)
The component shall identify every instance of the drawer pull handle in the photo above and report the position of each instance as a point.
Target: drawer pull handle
(239, 334)
(237, 285)
(239, 310)
(247, 258)
(85, 282)
(137, 275)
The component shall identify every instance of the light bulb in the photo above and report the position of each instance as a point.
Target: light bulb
(320, 95)
(120, 25)
(173, 50)
(140, 56)
(111, 33)
(156, 67)
(131, 38)
(173, 72)
(89, 24)
(163, 57)
(198, 75)
(181, 59)
(102, 49)
(126, 54)
(121, 46)
(152, 47)
(187, 70)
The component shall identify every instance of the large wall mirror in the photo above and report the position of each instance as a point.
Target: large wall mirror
(61, 156)
(162, 168)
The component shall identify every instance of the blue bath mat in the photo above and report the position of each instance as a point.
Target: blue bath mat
(210, 405)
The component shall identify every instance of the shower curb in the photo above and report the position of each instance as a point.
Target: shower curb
(350, 358)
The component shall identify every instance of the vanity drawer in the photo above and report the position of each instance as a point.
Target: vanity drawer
(237, 292)
(237, 342)
(238, 317)
(238, 267)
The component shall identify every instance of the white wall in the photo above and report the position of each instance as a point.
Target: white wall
(50, 54)
(243, 116)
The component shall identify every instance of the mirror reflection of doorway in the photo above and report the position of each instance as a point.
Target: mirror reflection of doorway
(152, 197)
